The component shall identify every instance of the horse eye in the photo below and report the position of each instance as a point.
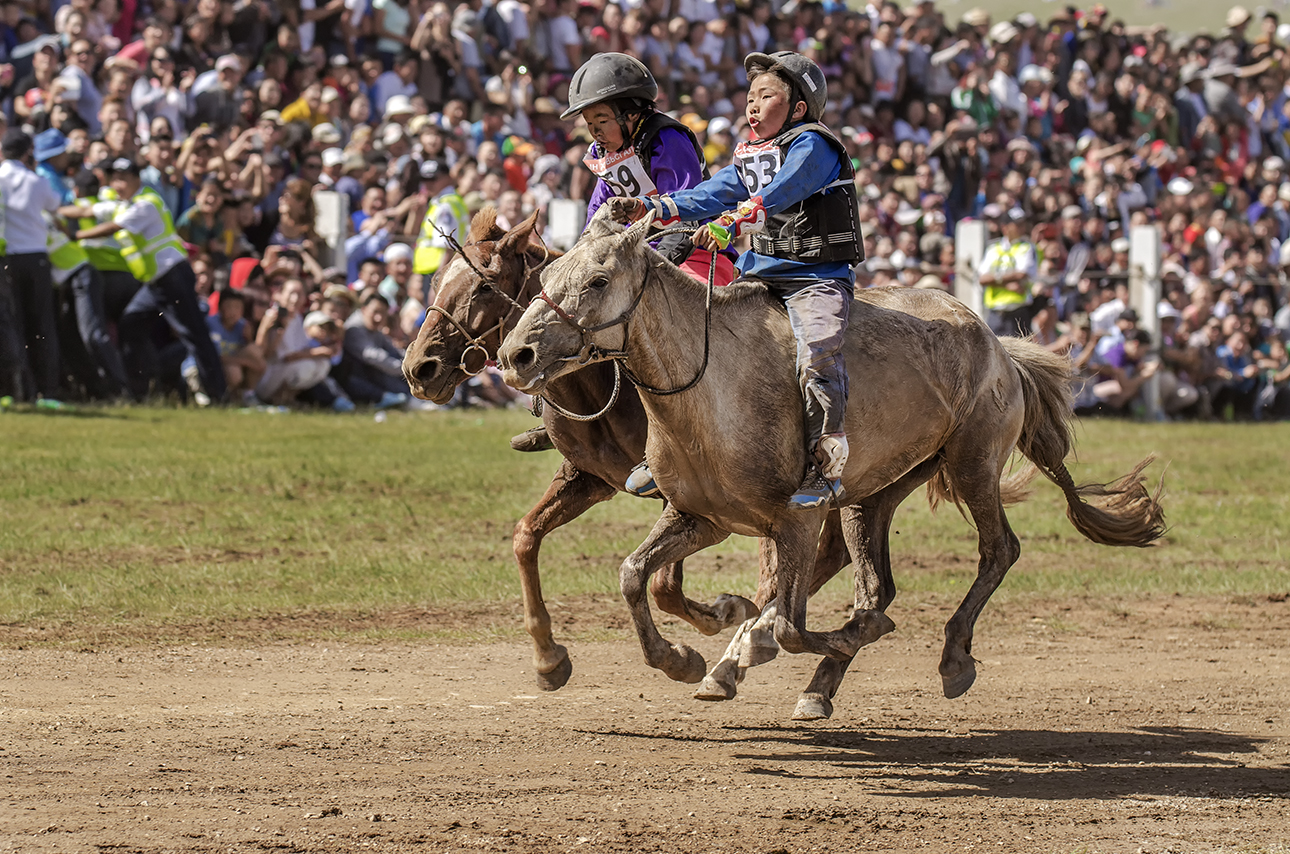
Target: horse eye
(599, 283)
(484, 287)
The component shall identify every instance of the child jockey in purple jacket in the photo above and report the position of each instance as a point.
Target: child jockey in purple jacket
(638, 151)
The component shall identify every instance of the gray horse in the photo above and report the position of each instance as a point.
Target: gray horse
(935, 393)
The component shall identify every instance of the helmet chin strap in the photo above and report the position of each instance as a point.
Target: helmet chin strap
(621, 118)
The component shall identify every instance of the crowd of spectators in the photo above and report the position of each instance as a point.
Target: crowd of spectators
(1068, 129)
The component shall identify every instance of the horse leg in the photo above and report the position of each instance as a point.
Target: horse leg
(867, 530)
(794, 538)
(675, 536)
(726, 611)
(754, 641)
(571, 493)
(977, 486)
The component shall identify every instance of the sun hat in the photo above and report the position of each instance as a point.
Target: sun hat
(50, 143)
(398, 105)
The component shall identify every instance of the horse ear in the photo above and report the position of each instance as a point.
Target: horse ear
(516, 241)
(637, 231)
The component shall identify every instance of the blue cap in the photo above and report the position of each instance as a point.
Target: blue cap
(50, 143)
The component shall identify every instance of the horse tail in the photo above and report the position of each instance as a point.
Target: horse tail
(1120, 513)
(1013, 488)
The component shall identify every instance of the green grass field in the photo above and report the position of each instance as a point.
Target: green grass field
(144, 522)
(1178, 16)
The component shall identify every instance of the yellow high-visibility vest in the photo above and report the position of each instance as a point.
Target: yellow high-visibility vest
(428, 257)
(65, 254)
(105, 253)
(139, 252)
(998, 297)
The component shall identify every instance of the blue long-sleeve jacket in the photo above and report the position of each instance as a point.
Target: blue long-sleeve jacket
(810, 164)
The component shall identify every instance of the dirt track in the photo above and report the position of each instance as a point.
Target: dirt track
(1166, 728)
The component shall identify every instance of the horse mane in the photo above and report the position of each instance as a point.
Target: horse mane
(484, 227)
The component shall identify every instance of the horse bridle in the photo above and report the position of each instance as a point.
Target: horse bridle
(476, 342)
(590, 352)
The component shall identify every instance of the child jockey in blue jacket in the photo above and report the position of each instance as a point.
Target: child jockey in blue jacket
(791, 188)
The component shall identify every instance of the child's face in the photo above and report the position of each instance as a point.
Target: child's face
(372, 274)
(767, 107)
(603, 126)
(324, 335)
(231, 311)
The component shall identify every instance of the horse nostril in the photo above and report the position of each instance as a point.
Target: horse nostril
(427, 370)
(524, 358)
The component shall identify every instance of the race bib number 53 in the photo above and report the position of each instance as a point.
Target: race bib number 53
(757, 164)
(623, 171)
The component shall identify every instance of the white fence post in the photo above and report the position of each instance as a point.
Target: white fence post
(1144, 296)
(565, 218)
(332, 224)
(969, 247)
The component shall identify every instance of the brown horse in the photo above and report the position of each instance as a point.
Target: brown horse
(476, 296)
(937, 394)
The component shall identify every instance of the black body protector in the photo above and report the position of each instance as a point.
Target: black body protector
(822, 228)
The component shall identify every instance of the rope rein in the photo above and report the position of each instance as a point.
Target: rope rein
(591, 352)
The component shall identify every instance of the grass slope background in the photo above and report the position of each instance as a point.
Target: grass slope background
(153, 523)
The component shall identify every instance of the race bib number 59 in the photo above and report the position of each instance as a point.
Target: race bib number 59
(624, 172)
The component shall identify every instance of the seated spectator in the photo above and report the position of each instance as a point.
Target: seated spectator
(371, 369)
(1123, 370)
(396, 287)
(295, 363)
(231, 332)
(1236, 396)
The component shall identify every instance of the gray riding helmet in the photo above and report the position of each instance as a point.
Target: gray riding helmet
(802, 74)
(608, 77)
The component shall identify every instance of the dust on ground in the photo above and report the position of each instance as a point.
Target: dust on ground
(1154, 726)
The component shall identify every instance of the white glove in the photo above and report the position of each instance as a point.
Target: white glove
(831, 453)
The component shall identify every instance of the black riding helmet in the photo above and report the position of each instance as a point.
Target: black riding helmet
(803, 76)
(613, 79)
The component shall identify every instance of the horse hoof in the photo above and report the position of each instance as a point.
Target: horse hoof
(759, 649)
(813, 707)
(733, 610)
(557, 677)
(685, 665)
(720, 684)
(872, 625)
(956, 686)
(715, 691)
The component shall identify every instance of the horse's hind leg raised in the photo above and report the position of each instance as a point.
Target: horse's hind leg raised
(571, 493)
(675, 537)
(977, 486)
